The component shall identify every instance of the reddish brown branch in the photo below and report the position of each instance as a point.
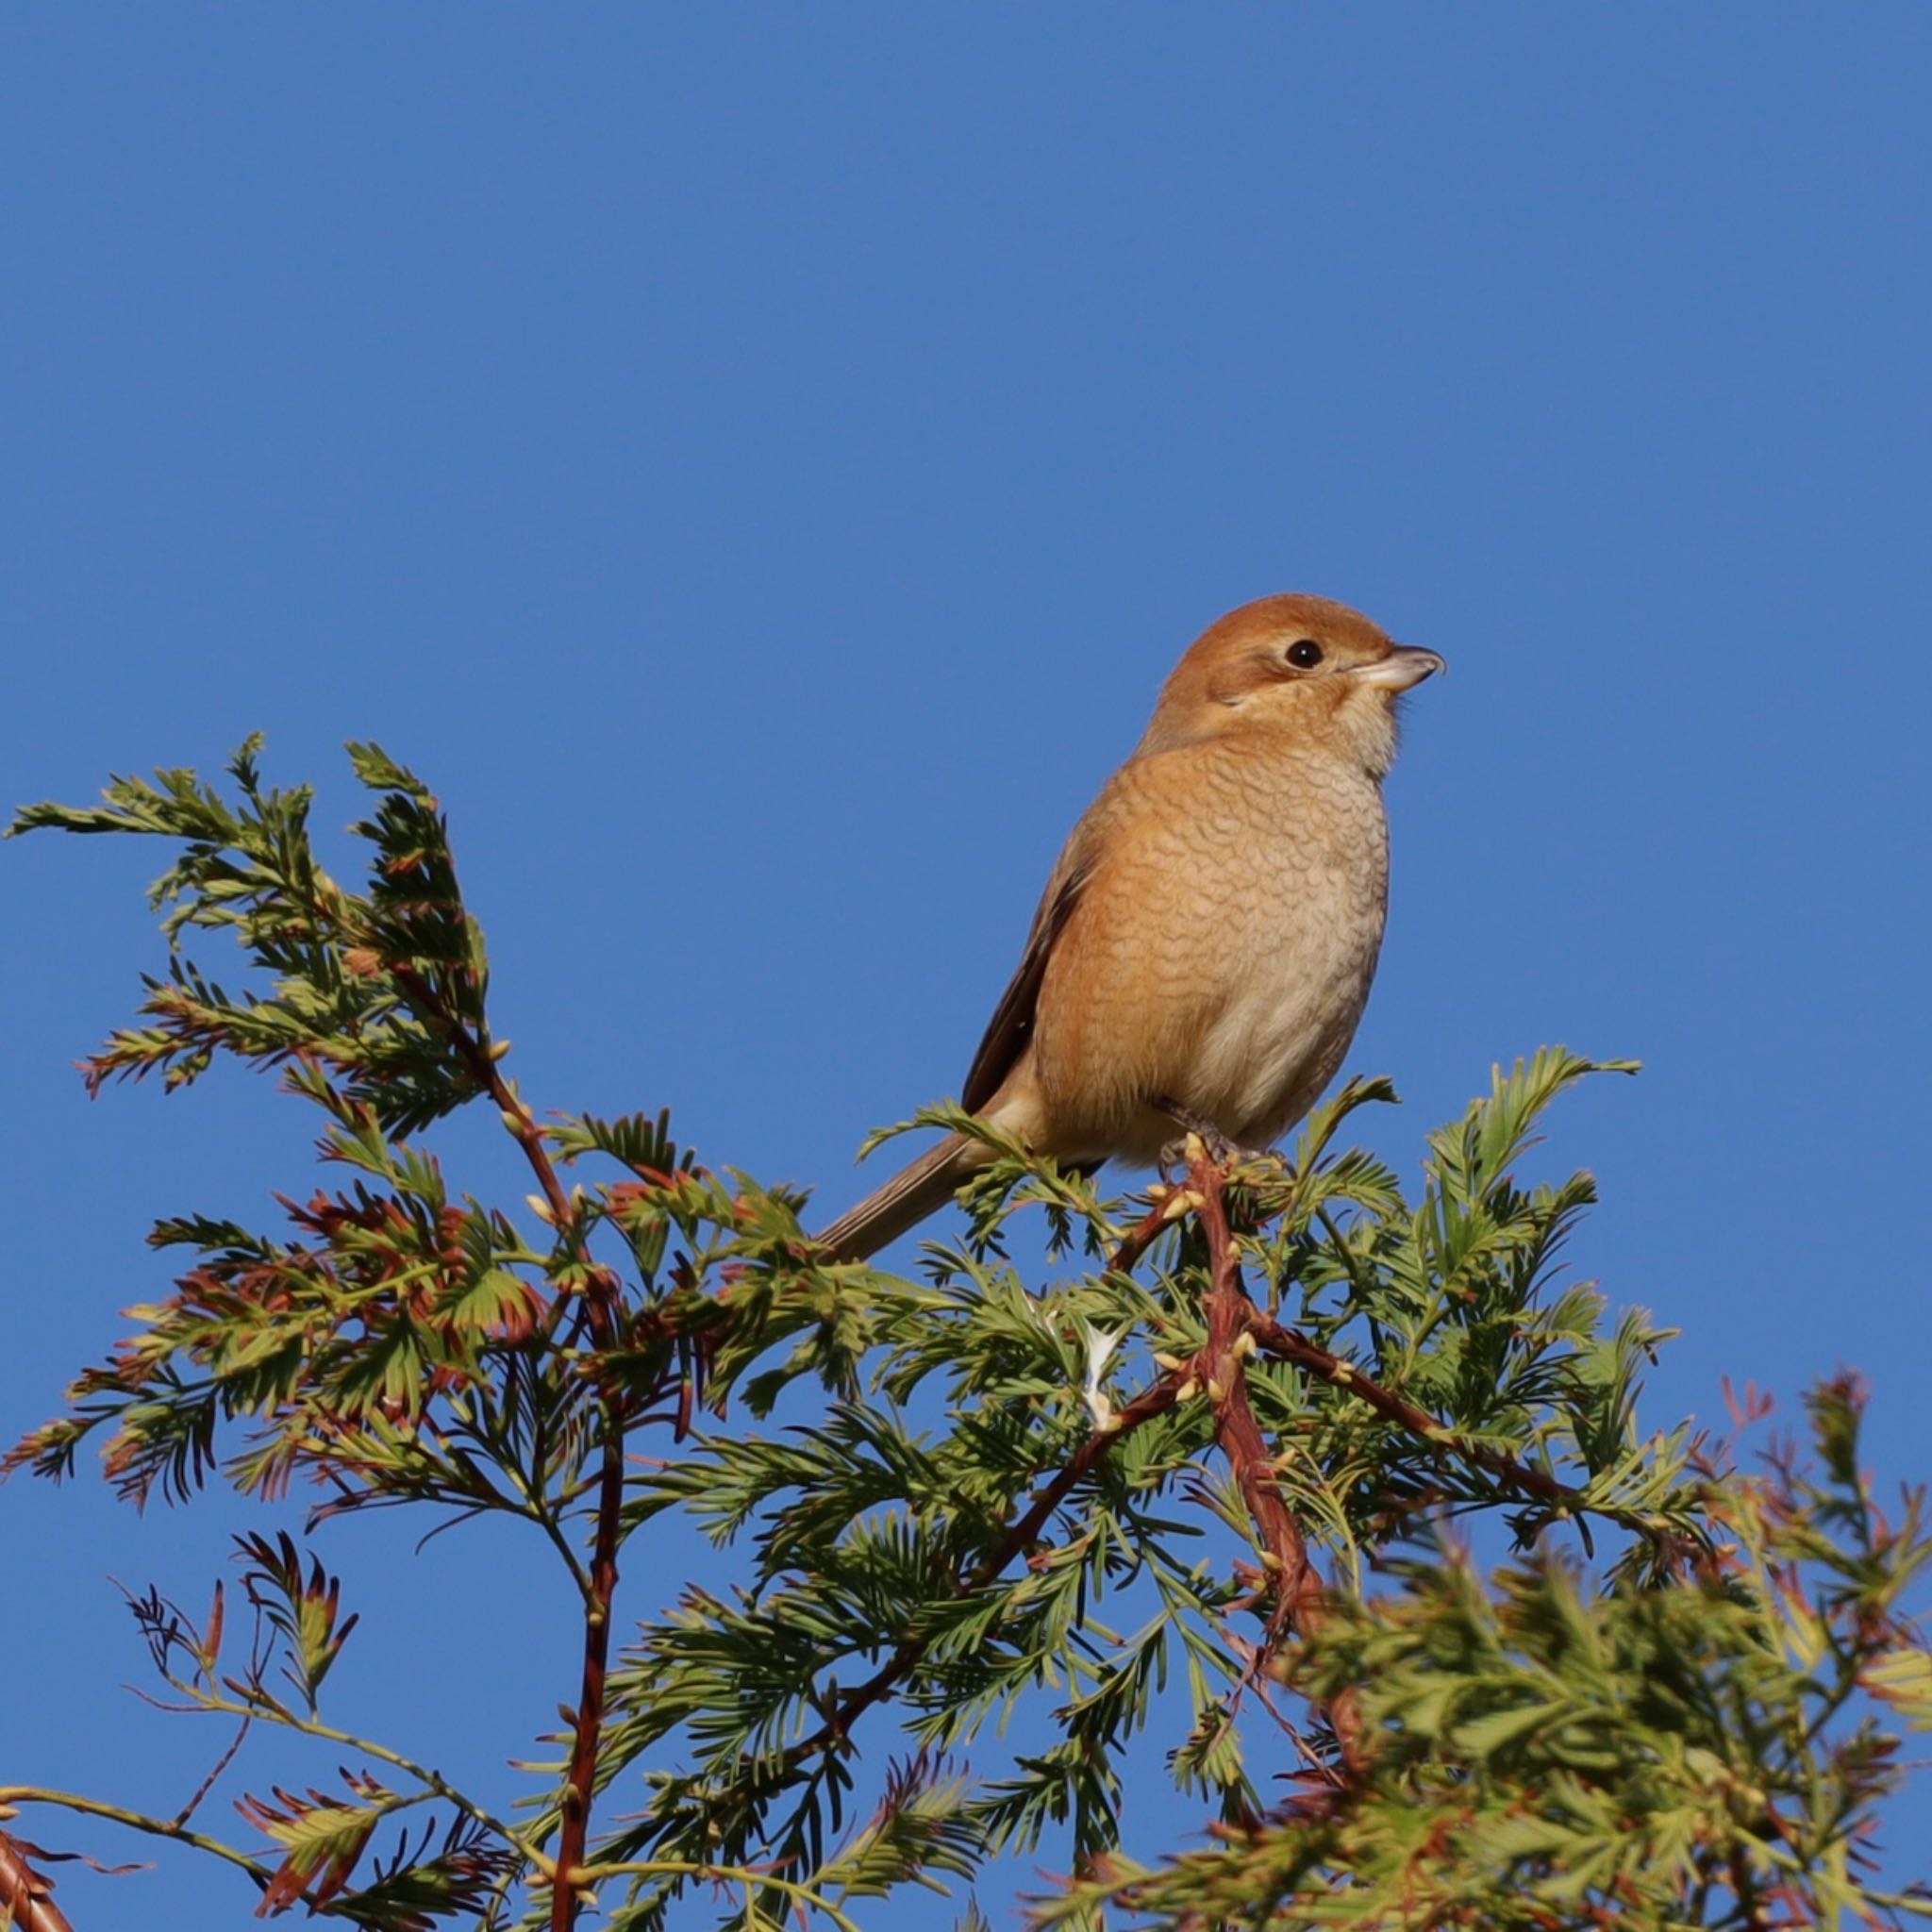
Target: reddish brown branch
(1291, 1346)
(601, 1306)
(1222, 1367)
(25, 1903)
(573, 1835)
(484, 1071)
(222, 1763)
(1147, 1230)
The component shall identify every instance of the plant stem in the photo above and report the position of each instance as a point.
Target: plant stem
(805, 1898)
(1222, 1367)
(1291, 1345)
(601, 1302)
(135, 1820)
(259, 1702)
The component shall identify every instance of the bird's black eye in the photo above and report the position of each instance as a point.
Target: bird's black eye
(1305, 654)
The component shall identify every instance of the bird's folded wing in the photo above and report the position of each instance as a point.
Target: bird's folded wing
(1011, 1026)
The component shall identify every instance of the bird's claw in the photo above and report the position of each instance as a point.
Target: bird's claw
(1221, 1150)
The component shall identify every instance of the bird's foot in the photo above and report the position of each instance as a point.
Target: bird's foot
(1221, 1150)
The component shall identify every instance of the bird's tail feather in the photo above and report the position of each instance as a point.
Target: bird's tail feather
(904, 1201)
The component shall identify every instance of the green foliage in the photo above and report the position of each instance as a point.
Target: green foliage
(348, 973)
(1086, 1506)
(304, 1610)
(1708, 1751)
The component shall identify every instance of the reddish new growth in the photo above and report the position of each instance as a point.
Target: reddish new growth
(25, 1901)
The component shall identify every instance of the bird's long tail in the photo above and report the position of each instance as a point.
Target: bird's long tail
(904, 1201)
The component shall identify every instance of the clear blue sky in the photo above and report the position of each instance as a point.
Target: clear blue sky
(759, 463)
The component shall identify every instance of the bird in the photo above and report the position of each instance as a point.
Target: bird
(1202, 951)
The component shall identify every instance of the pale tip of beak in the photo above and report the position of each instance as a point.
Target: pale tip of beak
(1403, 667)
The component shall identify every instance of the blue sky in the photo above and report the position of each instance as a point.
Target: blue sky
(760, 462)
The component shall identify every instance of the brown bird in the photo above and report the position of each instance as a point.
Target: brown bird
(1204, 948)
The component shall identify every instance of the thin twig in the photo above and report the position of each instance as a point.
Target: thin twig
(262, 1703)
(1273, 1339)
(751, 1877)
(601, 1307)
(135, 1820)
(222, 1763)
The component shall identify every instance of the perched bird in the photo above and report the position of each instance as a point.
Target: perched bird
(1204, 948)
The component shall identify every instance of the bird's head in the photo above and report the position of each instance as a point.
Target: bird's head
(1303, 667)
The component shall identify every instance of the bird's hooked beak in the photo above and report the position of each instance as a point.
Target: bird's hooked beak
(1402, 667)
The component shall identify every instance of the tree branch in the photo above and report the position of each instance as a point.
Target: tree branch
(601, 1305)
(1289, 1345)
(135, 1820)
